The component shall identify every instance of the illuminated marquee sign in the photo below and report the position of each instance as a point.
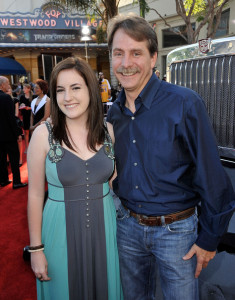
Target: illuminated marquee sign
(47, 25)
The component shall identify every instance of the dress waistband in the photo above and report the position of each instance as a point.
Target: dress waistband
(71, 186)
(84, 199)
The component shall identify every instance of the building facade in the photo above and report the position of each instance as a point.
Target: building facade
(39, 35)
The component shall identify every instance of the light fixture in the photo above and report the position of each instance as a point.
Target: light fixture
(85, 30)
(85, 38)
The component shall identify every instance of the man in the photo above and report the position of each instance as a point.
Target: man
(8, 138)
(167, 163)
(105, 91)
(105, 88)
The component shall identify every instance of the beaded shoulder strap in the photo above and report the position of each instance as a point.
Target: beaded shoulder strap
(108, 144)
(56, 152)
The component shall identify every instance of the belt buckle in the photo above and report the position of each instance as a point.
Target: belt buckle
(140, 220)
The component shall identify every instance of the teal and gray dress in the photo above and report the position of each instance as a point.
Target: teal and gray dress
(79, 227)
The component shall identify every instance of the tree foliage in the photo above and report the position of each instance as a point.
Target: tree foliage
(199, 6)
(105, 9)
(210, 12)
(206, 12)
(100, 35)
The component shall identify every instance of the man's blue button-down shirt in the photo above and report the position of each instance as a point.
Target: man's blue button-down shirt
(167, 158)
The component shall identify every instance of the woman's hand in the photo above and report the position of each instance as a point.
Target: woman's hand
(39, 265)
(22, 105)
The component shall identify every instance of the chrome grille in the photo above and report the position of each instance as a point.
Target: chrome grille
(213, 78)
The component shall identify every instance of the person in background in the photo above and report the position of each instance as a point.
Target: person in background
(25, 108)
(164, 78)
(105, 91)
(17, 92)
(40, 106)
(167, 163)
(105, 88)
(73, 238)
(157, 72)
(8, 138)
(19, 124)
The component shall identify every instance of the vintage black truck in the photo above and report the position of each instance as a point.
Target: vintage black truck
(208, 68)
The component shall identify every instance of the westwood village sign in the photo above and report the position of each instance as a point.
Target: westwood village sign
(45, 25)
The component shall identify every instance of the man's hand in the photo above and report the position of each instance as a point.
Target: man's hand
(203, 257)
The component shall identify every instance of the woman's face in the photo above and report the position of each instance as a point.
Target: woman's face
(72, 94)
(37, 90)
(26, 89)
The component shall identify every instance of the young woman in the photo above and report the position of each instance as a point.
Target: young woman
(25, 108)
(73, 239)
(41, 105)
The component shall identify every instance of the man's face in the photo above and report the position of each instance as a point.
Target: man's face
(5, 86)
(132, 63)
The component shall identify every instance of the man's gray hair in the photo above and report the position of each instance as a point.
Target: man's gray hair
(3, 79)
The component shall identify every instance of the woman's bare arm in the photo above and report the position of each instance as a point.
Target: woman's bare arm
(36, 156)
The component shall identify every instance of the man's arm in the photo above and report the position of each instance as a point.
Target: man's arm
(211, 183)
(11, 116)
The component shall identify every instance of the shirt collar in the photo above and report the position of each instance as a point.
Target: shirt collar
(147, 95)
(149, 92)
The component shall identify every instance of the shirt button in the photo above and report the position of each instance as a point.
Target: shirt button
(87, 209)
(134, 141)
(87, 203)
(140, 205)
(135, 164)
(87, 197)
(87, 178)
(136, 187)
(87, 172)
(87, 191)
(87, 226)
(87, 215)
(132, 118)
(86, 163)
(87, 185)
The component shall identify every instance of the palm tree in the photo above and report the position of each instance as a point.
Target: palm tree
(106, 9)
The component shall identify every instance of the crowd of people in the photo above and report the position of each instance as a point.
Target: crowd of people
(158, 153)
(22, 110)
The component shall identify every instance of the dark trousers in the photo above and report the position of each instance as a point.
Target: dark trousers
(10, 148)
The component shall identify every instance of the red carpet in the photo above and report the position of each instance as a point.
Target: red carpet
(17, 281)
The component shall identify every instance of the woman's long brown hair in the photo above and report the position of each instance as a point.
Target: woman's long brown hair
(95, 118)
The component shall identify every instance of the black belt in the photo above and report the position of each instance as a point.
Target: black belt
(157, 220)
